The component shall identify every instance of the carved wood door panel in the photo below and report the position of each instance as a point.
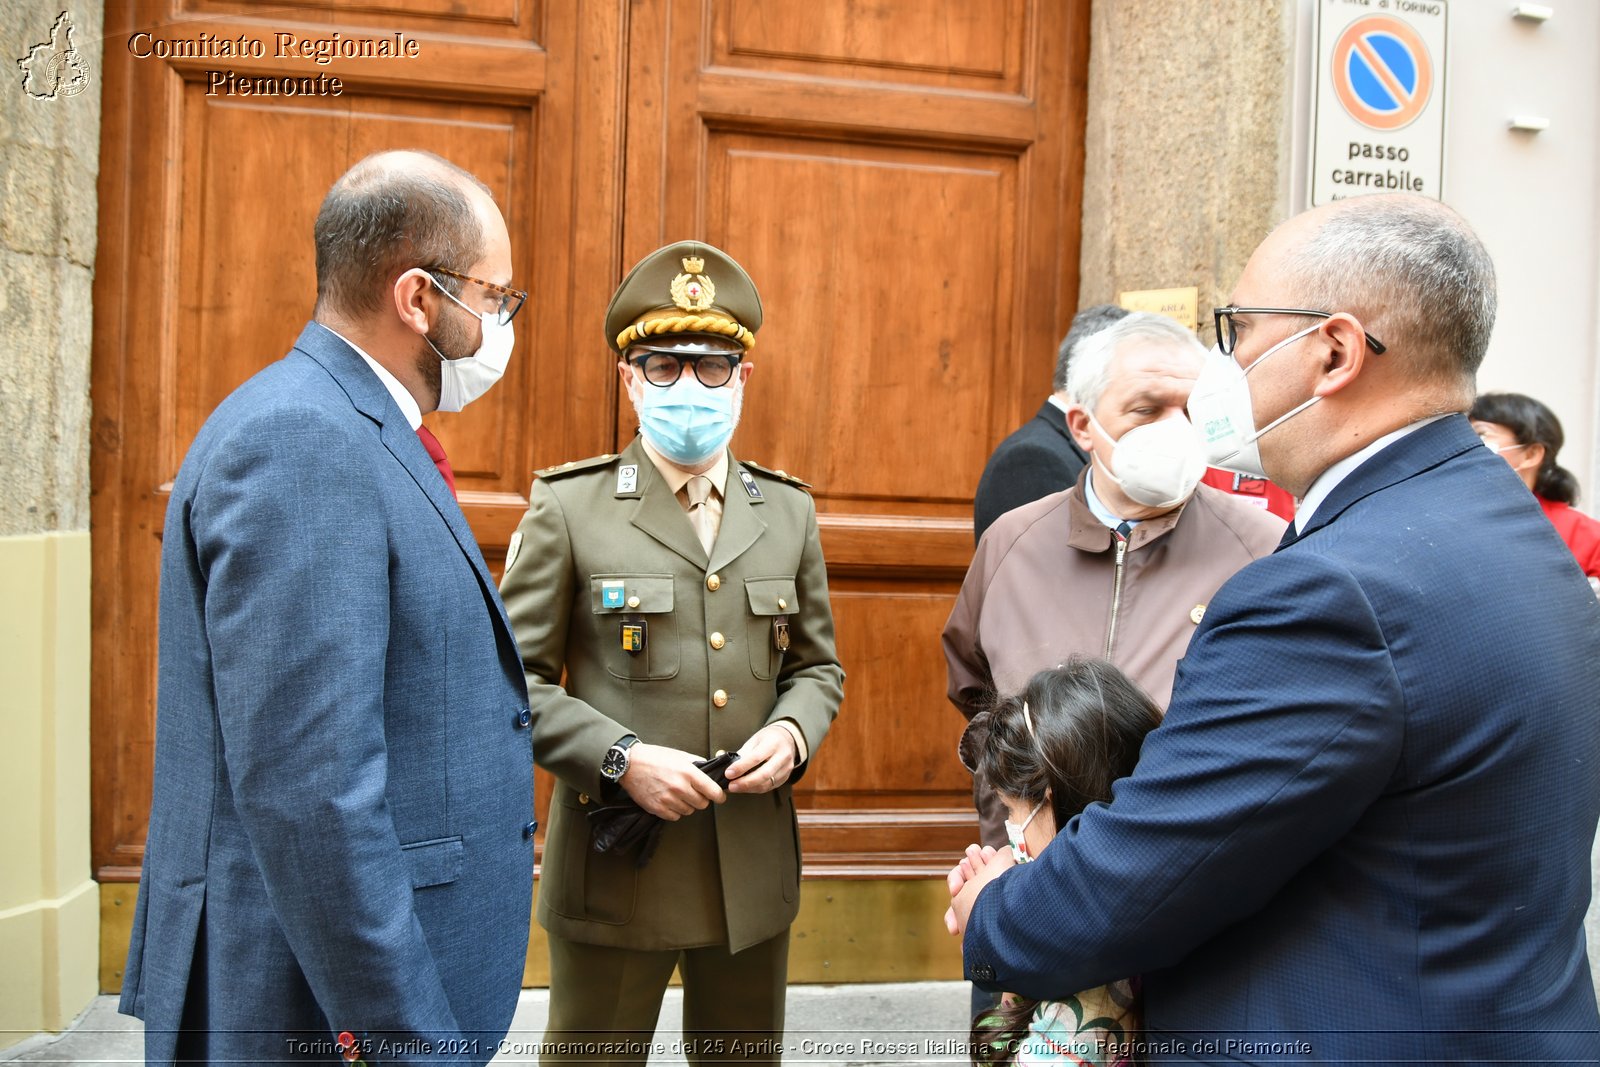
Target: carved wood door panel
(902, 180)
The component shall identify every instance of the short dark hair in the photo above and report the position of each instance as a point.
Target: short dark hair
(1086, 323)
(390, 212)
(1531, 423)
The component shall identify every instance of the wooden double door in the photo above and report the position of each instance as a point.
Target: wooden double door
(900, 177)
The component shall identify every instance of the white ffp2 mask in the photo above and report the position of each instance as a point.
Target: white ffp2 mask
(461, 381)
(1157, 464)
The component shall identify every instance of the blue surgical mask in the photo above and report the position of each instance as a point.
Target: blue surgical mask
(1014, 834)
(687, 422)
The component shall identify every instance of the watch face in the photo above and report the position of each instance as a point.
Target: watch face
(614, 763)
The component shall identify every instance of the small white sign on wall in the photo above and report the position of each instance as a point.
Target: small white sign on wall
(1377, 114)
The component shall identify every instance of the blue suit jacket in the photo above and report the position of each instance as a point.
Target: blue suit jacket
(343, 773)
(1365, 823)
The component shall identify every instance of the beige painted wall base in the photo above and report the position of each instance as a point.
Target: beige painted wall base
(48, 932)
(49, 948)
(875, 930)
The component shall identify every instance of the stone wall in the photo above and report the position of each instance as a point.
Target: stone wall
(1187, 142)
(49, 159)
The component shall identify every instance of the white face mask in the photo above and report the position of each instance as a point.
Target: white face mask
(1014, 834)
(461, 381)
(1221, 410)
(1501, 450)
(1157, 464)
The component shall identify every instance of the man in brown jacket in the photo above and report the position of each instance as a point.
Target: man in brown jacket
(1122, 564)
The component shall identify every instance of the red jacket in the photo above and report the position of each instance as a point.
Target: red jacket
(1259, 491)
(1579, 531)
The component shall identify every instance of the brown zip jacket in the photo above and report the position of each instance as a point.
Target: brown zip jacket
(1044, 586)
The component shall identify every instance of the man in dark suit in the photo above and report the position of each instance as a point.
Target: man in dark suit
(1362, 832)
(1040, 457)
(339, 850)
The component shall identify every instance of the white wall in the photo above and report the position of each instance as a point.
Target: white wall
(1534, 199)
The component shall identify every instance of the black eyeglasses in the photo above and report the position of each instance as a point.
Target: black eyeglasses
(510, 299)
(714, 369)
(1227, 336)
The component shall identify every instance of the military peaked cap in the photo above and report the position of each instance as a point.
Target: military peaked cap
(685, 288)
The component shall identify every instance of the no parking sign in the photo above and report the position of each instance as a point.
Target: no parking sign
(1378, 111)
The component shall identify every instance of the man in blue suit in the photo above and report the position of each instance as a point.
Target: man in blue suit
(340, 830)
(1362, 832)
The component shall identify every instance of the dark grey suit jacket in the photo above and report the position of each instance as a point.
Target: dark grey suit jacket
(1040, 458)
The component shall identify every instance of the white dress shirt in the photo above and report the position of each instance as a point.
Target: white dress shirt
(402, 396)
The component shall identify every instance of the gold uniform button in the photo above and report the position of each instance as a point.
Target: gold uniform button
(713, 582)
(717, 640)
(633, 602)
(583, 798)
(721, 752)
(720, 698)
(783, 605)
(1198, 613)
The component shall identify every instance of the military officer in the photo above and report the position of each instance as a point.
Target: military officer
(684, 595)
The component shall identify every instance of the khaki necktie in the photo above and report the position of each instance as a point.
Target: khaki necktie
(699, 491)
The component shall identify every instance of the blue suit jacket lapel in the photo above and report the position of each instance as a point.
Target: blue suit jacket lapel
(369, 397)
(1413, 454)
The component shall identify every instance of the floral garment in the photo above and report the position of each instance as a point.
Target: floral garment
(1097, 1028)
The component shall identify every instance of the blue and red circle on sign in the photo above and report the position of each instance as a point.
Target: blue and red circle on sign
(1382, 73)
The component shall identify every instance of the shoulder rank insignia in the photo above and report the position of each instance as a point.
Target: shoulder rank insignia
(575, 465)
(692, 290)
(782, 476)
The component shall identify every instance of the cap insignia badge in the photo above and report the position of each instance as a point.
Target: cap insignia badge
(692, 290)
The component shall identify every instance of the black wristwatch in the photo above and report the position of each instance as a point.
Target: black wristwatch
(615, 762)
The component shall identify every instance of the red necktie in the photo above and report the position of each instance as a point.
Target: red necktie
(436, 453)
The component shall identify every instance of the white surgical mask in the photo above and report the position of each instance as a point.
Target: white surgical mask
(1157, 464)
(1221, 410)
(461, 381)
(1014, 834)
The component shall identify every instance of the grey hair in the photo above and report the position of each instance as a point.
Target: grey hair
(1414, 273)
(1085, 324)
(391, 212)
(1090, 371)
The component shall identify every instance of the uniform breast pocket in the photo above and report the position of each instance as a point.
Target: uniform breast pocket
(638, 631)
(773, 604)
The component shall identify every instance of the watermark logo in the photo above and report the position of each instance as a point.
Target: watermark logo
(55, 67)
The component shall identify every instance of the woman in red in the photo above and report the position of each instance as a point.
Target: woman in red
(1527, 435)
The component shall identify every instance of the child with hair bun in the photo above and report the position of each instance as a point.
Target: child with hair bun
(1051, 751)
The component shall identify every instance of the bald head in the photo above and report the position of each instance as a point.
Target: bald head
(1410, 269)
(390, 212)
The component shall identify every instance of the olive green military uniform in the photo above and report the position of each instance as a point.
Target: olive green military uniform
(732, 640)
